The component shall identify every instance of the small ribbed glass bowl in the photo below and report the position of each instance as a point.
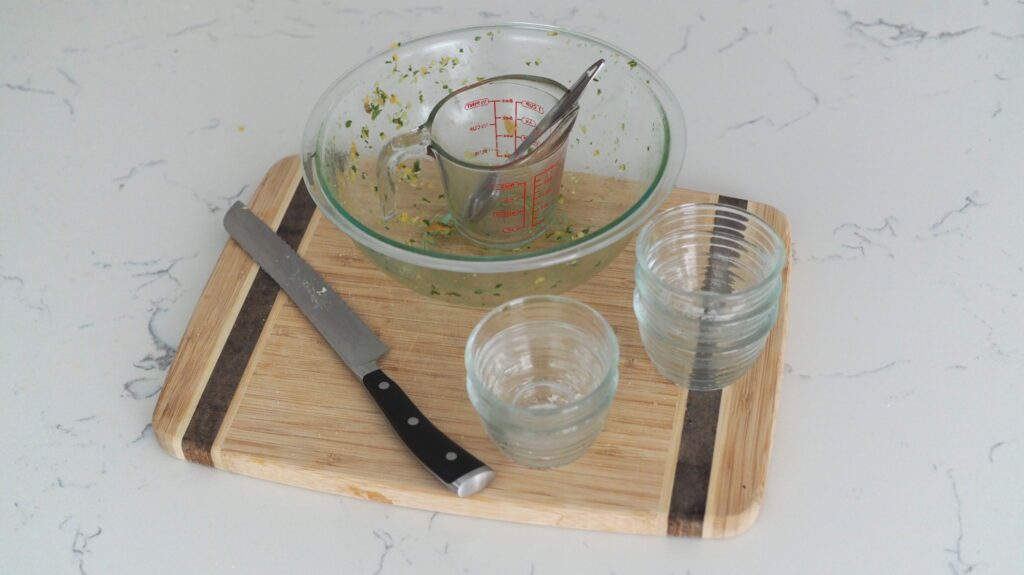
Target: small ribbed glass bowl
(541, 372)
(708, 279)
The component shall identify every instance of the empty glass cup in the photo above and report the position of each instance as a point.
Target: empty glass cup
(541, 372)
(708, 279)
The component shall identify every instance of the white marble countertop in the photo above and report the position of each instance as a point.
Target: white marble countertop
(890, 133)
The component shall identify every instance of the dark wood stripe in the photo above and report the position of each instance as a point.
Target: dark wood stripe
(227, 373)
(729, 201)
(697, 445)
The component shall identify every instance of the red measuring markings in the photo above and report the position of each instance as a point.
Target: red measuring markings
(513, 200)
(518, 207)
(542, 188)
(497, 152)
(506, 122)
(515, 127)
(533, 106)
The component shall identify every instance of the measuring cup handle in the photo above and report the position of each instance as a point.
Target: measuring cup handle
(396, 151)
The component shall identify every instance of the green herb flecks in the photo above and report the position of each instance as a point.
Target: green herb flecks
(567, 233)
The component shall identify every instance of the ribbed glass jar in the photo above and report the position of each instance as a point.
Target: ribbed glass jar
(708, 278)
(541, 372)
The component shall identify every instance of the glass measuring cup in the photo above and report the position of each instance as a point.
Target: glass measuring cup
(472, 133)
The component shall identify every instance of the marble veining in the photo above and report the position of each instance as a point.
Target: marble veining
(889, 132)
(743, 35)
(958, 564)
(671, 55)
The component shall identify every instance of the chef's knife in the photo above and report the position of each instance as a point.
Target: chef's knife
(359, 348)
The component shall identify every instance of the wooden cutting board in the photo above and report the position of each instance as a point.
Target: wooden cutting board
(255, 390)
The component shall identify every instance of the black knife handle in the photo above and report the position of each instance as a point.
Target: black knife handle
(453, 465)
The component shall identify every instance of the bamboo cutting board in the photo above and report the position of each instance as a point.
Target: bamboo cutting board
(255, 390)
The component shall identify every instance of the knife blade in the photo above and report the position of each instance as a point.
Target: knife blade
(359, 348)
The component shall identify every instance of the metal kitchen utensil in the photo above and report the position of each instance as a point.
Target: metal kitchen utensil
(483, 199)
(357, 346)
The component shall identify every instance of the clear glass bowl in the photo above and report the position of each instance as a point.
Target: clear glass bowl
(541, 372)
(708, 279)
(624, 155)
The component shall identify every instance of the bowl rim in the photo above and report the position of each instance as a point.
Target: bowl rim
(508, 262)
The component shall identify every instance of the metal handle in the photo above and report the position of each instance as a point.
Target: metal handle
(560, 110)
(562, 113)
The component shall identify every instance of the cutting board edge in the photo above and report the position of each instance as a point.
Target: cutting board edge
(582, 518)
(740, 521)
(191, 369)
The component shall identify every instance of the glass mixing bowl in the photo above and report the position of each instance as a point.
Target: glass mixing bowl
(624, 154)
